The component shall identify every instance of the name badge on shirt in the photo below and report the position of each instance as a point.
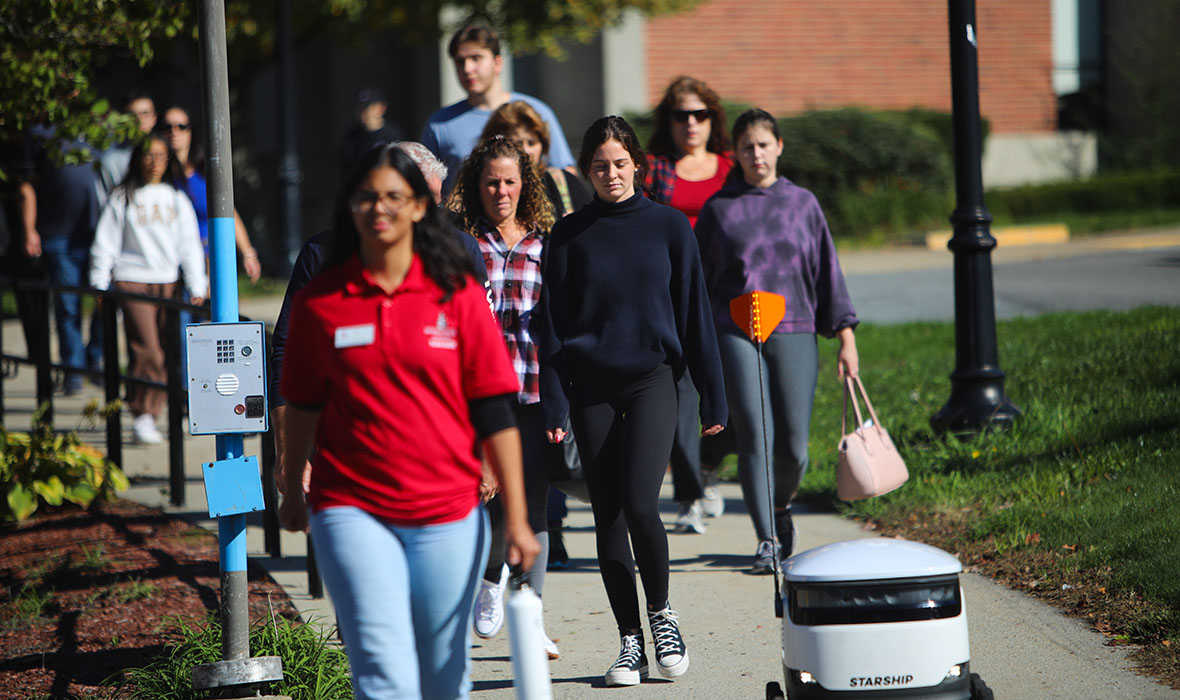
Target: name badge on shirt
(355, 336)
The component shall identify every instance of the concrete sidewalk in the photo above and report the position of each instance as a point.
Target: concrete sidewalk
(1021, 647)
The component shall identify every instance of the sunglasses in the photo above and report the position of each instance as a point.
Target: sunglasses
(170, 126)
(681, 116)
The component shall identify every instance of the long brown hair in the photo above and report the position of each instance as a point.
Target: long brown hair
(662, 143)
(533, 210)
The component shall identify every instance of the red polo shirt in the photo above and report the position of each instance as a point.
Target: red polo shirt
(393, 374)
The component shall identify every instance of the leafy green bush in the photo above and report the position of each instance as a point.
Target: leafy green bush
(872, 173)
(44, 466)
(313, 669)
(1108, 192)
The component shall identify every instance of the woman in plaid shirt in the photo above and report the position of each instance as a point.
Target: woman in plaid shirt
(500, 200)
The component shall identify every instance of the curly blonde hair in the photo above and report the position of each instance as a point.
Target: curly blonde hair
(533, 211)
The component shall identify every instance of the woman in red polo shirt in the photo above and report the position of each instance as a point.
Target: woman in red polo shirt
(395, 371)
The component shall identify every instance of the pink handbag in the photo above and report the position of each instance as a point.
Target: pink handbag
(869, 464)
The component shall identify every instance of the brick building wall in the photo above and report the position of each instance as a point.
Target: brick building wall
(788, 56)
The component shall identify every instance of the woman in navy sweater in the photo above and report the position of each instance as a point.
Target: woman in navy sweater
(626, 315)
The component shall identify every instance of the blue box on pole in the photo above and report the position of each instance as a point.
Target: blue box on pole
(233, 486)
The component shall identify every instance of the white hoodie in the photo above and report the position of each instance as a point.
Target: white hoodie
(148, 240)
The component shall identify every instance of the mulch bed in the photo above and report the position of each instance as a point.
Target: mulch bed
(87, 593)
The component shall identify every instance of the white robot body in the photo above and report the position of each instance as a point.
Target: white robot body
(883, 617)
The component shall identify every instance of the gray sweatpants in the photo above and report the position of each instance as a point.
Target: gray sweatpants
(790, 365)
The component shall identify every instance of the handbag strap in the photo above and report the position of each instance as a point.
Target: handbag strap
(849, 391)
(865, 395)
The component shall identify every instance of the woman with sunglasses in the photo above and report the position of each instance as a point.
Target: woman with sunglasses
(395, 370)
(690, 160)
(625, 316)
(499, 201)
(178, 129)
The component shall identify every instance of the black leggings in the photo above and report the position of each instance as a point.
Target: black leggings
(624, 427)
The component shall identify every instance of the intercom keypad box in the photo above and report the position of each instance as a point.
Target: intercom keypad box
(226, 378)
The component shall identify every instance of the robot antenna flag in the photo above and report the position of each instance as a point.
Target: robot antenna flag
(758, 313)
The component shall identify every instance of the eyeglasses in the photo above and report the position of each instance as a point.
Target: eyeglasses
(364, 202)
(681, 116)
(155, 156)
(172, 126)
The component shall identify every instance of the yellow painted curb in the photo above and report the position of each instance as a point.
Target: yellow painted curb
(1009, 235)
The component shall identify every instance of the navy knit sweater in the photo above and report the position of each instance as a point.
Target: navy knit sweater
(622, 293)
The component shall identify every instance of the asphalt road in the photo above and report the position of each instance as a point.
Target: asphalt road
(1117, 273)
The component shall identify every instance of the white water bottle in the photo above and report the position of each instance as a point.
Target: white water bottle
(530, 663)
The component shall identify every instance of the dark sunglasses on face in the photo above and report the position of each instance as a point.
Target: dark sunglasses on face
(170, 126)
(681, 115)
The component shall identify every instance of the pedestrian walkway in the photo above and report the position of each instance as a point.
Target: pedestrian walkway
(1021, 647)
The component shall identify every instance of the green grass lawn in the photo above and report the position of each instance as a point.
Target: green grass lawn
(1089, 473)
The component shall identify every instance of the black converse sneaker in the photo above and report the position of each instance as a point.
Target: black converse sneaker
(671, 654)
(631, 666)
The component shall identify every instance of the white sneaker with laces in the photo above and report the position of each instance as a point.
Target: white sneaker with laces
(489, 606)
(550, 647)
(144, 430)
(713, 503)
(689, 522)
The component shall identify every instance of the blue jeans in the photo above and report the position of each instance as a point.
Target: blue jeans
(68, 264)
(403, 598)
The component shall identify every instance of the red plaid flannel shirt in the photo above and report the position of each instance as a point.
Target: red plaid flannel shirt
(515, 279)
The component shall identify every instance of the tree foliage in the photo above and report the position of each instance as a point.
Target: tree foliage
(49, 51)
(528, 25)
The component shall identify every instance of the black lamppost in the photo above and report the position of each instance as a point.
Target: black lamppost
(977, 399)
(290, 175)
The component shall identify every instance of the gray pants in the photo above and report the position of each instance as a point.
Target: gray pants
(790, 365)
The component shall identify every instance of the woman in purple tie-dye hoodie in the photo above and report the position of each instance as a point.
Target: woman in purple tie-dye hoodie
(763, 232)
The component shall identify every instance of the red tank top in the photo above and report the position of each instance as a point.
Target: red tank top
(689, 196)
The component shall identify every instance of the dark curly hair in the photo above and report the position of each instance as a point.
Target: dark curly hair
(662, 143)
(443, 258)
(533, 211)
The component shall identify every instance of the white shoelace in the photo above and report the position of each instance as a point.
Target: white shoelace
(488, 602)
(665, 632)
(630, 652)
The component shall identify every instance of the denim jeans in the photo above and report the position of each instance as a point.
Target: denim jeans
(68, 264)
(403, 598)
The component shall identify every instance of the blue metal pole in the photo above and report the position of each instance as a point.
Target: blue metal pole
(235, 641)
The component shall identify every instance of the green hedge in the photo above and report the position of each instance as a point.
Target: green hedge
(874, 173)
(1101, 193)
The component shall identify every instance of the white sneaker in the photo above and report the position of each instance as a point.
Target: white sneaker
(144, 430)
(550, 647)
(689, 521)
(489, 606)
(713, 504)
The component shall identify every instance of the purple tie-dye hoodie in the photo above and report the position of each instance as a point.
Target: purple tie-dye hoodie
(773, 239)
